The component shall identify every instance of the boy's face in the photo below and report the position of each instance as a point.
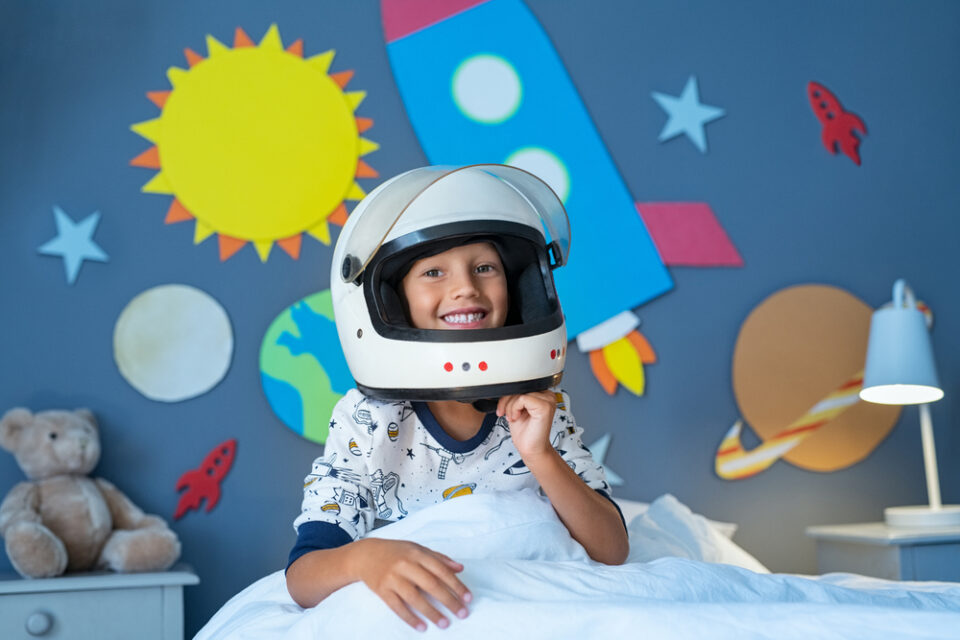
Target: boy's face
(461, 288)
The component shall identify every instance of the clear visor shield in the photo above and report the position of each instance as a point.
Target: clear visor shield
(383, 211)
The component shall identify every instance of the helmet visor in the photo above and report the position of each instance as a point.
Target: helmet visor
(385, 209)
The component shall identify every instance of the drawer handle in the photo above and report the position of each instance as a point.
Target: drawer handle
(39, 623)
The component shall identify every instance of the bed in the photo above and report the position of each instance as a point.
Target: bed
(685, 578)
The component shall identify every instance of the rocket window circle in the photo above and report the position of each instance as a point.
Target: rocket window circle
(486, 88)
(544, 164)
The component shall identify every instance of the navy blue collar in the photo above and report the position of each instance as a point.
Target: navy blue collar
(446, 441)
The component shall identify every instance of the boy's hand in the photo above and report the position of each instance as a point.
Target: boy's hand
(530, 416)
(404, 573)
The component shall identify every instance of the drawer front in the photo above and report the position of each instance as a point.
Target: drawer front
(932, 562)
(84, 615)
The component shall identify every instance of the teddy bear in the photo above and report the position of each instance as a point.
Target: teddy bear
(62, 519)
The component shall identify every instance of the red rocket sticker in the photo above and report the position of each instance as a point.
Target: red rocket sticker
(838, 125)
(204, 481)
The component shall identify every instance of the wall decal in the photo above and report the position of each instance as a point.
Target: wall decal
(173, 342)
(483, 80)
(74, 242)
(688, 234)
(257, 144)
(622, 362)
(687, 115)
(838, 125)
(599, 452)
(203, 483)
(302, 369)
(796, 374)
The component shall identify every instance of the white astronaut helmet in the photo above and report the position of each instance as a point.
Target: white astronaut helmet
(424, 212)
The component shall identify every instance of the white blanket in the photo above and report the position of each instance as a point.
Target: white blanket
(531, 580)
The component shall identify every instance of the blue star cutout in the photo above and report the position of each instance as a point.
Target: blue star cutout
(687, 115)
(74, 242)
(599, 451)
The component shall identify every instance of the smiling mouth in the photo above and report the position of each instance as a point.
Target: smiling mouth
(465, 320)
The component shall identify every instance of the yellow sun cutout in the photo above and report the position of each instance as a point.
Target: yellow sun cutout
(257, 144)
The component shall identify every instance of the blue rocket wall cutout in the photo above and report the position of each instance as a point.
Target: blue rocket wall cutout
(482, 83)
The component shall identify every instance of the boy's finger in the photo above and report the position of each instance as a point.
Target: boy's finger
(414, 598)
(442, 587)
(452, 583)
(396, 603)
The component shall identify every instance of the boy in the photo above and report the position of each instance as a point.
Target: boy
(384, 459)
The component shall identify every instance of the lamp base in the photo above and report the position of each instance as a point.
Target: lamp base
(923, 516)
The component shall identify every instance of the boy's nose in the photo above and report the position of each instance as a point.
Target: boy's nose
(463, 285)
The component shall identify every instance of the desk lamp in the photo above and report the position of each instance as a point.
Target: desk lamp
(900, 370)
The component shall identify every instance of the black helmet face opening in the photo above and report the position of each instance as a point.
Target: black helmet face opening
(533, 304)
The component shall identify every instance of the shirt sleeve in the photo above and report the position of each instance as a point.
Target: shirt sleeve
(567, 440)
(337, 499)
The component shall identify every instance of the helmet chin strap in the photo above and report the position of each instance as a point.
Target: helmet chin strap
(485, 405)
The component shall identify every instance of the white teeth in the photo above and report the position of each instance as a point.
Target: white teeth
(463, 318)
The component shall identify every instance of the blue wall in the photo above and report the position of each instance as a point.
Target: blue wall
(72, 80)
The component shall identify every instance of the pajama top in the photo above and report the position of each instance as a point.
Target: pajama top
(384, 460)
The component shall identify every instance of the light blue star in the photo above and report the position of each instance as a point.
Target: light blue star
(599, 451)
(74, 242)
(687, 115)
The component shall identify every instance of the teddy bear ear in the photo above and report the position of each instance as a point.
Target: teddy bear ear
(12, 425)
(87, 415)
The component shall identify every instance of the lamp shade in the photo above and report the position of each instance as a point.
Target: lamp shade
(900, 367)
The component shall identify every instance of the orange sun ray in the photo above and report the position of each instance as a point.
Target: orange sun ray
(292, 245)
(341, 78)
(241, 39)
(158, 98)
(193, 58)
(296, 48)
(229, 246)
(339, 215)
(363, 170)
(149, 159)
(363, 124)
(177, 213)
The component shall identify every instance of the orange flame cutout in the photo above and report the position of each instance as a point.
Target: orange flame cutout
(621, 362)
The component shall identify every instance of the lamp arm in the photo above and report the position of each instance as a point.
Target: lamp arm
(929, 457)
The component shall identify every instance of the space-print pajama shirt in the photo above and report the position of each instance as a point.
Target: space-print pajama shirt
(385, 460)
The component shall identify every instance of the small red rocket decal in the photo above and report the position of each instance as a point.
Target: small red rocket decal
(838, 125)
(204, 481)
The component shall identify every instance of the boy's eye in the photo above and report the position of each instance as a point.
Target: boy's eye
(485, 268)
(432, 273)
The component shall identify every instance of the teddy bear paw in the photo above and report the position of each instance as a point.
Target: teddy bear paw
(150, 549)
(34, 550)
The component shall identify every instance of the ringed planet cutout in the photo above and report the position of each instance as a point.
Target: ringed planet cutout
(796, 375)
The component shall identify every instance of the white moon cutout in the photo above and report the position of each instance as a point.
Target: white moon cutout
(173, 342)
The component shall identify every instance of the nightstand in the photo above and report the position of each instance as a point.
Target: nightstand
(95, 606)
(894, 553)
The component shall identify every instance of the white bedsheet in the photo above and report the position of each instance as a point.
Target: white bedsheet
(531, 580)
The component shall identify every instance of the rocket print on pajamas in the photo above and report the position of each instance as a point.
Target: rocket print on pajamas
(381, 485)
(325, 468)
(446, 457)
